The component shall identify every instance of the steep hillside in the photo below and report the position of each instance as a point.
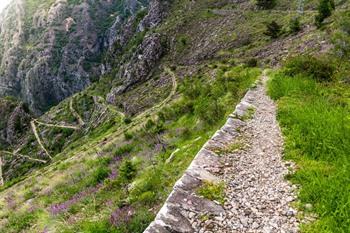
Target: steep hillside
(52, 49)
(113, 99)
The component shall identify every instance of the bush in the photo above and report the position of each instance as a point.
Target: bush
(252, 62)
(100, 175)
(294, 25)
(273, 30)
(325, 9)
(320, 68)
(192, 87)
(146, 189)
(266, 4)
(209, 110)
(128, 136)
(123, 150)
(127, 120)
(127, 171)
(154, 128)
(141, 219)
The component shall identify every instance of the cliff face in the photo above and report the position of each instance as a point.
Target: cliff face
(52, 49)
(14, 121)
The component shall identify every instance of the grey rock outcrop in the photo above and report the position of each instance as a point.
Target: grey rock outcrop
(140, 65)
(14, 121)
(147, 55)
(51, 51)
(157, 11)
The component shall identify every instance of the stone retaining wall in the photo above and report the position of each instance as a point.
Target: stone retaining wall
(183, 203)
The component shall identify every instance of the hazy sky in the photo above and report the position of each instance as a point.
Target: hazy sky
(3, 4)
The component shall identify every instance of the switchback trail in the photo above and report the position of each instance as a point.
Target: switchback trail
(139, 118)
(23, 156)
(75, 113)
(37, 136)
(57, 126)
(245, 155)
(113, 136)
(166, 100)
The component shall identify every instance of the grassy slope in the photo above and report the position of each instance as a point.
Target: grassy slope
(315, 119)
(81, 183)
(85, 191)
(80, 187)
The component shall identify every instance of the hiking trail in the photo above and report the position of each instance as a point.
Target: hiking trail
(245, 155)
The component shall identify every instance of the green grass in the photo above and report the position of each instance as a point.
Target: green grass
(143, 177)
(315, 121)
(214, 192)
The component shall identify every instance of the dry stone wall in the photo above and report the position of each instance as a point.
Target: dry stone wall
(183, 202)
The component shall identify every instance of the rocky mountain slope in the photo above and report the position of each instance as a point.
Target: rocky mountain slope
(105, 103)
(53, 49)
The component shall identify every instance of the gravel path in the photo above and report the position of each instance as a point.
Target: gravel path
(257, 195)
(245, 155)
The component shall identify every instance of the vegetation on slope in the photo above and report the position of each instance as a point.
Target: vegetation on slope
(113, 190)
(313, 96)
(115, 176)
(314, 110)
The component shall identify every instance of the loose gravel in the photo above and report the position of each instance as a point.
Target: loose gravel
(257, 195)
(246, 156)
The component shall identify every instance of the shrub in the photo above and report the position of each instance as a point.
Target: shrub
(209, 110)
(325, 9)
(128, 136)
(146, 189)
(121, 216)
(294, 25)
(265, 4)
(154, 128)
(273, 30)
(192, 88)
(127, 171)
(123, 150)
(141, 219)
(29, 194)
(252, 62)
(319, 68)
(127, 120)
(100, 175)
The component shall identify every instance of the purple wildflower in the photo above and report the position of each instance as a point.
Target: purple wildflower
(63, 207)
(158, 147)
(113, 175)
(11, 202)
(117, 159)
(121, 216)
